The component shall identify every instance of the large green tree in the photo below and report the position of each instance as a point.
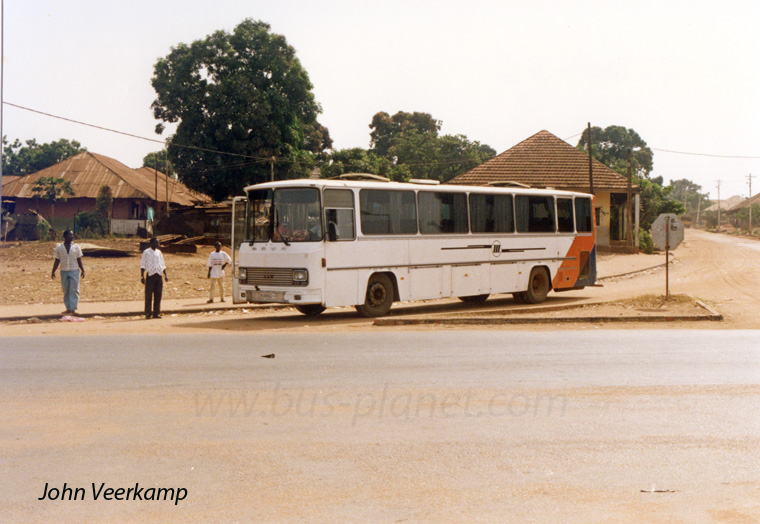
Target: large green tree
(611, 145)
(243, 103)
(30, 157)
(386, 128)
(411, 141)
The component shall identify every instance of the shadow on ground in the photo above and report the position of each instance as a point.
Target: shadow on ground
(291, 319)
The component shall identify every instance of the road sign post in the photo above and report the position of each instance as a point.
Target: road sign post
(667, 234)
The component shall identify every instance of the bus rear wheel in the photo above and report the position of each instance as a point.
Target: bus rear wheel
(310, 310)
(379, 297)
(538, 286)
(475, 299)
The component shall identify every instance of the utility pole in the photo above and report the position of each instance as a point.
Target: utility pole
(718, 206)
(271, 167)
(750, 177)
(166, 172)
(628, 210)
(590, 164)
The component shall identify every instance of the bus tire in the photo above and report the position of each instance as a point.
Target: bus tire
(379, 297)
(538, 286)
(475, 299)
(310, 310)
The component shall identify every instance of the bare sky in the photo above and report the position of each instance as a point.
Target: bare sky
(684, 75)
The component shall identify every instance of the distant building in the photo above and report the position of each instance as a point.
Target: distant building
(544, 160)
(133, 191)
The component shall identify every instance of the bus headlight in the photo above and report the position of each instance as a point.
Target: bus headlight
(242, 274)
(300, 275)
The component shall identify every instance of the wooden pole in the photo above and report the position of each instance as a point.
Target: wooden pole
(166, 172)
(628, 211)
(667, 258)
(590, 163)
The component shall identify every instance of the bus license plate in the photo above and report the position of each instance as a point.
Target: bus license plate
(271, 296)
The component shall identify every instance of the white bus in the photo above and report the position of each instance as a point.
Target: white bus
(367, 243)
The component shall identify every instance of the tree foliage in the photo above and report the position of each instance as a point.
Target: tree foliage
(411, 145)
(358, 160)
(30, 157)
(386, 129)
(611, 145)
(655, 199)
(52, 189)
(158, 160)
(690, 195)
(242, 93)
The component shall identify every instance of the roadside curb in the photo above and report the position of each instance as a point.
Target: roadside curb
(135, 313)
(711, 316)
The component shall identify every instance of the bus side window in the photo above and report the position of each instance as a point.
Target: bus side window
(339, 214)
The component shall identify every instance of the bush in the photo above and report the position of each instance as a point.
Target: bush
(88, 224)
(646, 244)
(43, 230)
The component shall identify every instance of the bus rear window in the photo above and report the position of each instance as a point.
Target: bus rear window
(583, 215)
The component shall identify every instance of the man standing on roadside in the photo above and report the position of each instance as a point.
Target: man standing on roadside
(217, 261)
(153, 264)
(68, 255)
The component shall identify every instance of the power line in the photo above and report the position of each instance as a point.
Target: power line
(132, 135)
(703, 154)
(267, 159)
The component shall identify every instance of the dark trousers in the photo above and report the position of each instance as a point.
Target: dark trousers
(154, 287)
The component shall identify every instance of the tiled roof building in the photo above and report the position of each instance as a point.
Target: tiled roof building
(545, 160)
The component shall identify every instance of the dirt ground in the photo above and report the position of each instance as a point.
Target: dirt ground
(25, 273)
(718, 269)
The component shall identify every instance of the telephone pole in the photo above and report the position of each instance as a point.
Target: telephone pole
(719, 206)
(750, 177)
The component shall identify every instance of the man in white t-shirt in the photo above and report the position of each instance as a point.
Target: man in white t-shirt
(153, 265)
(68, 255)
(217, 261)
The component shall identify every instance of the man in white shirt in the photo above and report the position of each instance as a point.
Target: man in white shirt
(68, 255)
(217, 261)
(153, 264)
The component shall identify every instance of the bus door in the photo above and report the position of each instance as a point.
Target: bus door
(237, 235)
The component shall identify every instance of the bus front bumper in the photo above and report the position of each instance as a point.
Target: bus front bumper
(296, 296)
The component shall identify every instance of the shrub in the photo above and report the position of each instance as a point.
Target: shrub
(43, 230)
(646, 244)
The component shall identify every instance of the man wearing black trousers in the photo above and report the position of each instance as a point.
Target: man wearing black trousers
(153, 264)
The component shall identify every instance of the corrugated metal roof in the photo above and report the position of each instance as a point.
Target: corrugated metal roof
(88, 172)
(544, 160)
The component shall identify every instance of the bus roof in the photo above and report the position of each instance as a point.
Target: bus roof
(363, 184)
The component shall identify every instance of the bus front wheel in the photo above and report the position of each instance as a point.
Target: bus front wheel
(538, 286)
(310, 310)
(379, 297)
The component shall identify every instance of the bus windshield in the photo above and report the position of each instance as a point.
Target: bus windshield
(284, 215)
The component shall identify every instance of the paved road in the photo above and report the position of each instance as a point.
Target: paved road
(446, 426)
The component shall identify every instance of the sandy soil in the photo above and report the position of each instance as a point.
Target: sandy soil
(721, 270)
(25, 273)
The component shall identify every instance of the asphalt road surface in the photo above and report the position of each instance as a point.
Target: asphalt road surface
(440, 426)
